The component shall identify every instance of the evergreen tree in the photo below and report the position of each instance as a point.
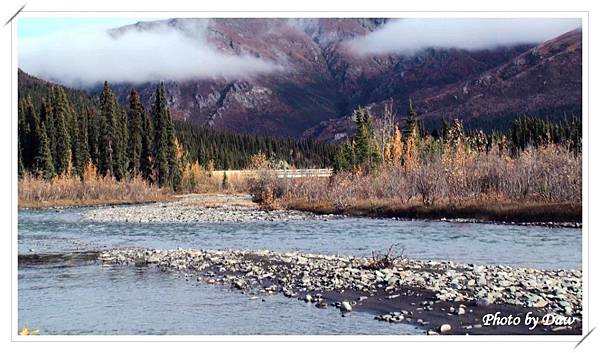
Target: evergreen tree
(27, 124)
(147, 154)
(44, 164)
(62, 116)
(136, 121)
(411, 120)
(92, 134)
(23, 132)
(225, 182)
(120, 158)
(81, 154)
(47, 117)
(21, 166)
(366, 149)
(107, 134)
(161, 120)
(344, 159)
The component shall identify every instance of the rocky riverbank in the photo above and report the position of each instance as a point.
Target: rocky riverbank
(439, 297)
(577, 225)
(205, 208)
(566, 215)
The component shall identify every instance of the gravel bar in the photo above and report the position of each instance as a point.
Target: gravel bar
(440, 297)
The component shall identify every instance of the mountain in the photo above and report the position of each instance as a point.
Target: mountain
(321, 80)
(544, 80)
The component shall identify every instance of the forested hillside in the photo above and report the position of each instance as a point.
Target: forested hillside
(61, 131)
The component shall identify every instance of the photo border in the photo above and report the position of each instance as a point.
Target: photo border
(585, 253)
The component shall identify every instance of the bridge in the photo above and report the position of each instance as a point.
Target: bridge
(280, 173)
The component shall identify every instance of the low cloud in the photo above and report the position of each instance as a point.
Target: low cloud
(408, 36)
(134, 56)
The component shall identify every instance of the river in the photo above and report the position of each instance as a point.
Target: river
(83, 297)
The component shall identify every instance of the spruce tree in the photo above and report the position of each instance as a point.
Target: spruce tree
(61, 109)
(121, 159)
(44, 164)
(47, 117)
(165, 144)
(159, 117)
(136, 120)
(366, 150)
(81, 154)
(21, 166)
(412, 122)
(22, 134)
(92, 134)
(107, 134)
(147, 153)
(27, 124)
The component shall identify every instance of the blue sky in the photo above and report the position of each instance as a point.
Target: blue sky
(35, 27)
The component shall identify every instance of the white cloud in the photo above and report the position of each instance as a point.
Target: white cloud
(407, 36)
(162, 53)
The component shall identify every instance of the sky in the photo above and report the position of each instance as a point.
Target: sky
(79, 52)
(35, 27)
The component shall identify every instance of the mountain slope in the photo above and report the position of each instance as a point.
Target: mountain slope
(544, 80)
(320, 80)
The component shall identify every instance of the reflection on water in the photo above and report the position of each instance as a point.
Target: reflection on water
(72, 294)
(127, 300)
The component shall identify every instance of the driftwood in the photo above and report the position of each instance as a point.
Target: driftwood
(389, 259)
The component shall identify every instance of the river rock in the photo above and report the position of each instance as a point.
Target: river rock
(291, 273)
(445, 328)
(239, 284)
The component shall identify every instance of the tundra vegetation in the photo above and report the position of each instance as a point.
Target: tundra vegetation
(530, 173)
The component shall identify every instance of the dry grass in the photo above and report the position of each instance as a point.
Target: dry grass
(200, 180)
(491, 211)
(89, 190)
(542, 184)
(92, 189)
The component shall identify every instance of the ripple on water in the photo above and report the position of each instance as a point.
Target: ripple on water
(84, 298)
(146, 301)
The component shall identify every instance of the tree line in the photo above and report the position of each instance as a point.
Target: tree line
(58, 138)
(381, 140)
(232, 151)
(61, 132)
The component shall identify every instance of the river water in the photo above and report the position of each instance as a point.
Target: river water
(83, 297)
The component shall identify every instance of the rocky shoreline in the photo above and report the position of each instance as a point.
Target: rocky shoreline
(238, 208)
(217, 208)
(439, 297)
(524, 224)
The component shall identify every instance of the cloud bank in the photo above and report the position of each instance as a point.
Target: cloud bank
(408, 36)
(161, 53)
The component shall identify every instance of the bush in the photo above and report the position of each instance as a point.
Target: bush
(459, 175)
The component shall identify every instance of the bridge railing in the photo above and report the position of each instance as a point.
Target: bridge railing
(280, 173)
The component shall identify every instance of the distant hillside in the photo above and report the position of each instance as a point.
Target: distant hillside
(544, 81)
(322, 79)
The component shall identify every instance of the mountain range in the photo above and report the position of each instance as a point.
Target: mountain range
(320, 80)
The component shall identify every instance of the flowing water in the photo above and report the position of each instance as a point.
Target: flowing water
(79, 296)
